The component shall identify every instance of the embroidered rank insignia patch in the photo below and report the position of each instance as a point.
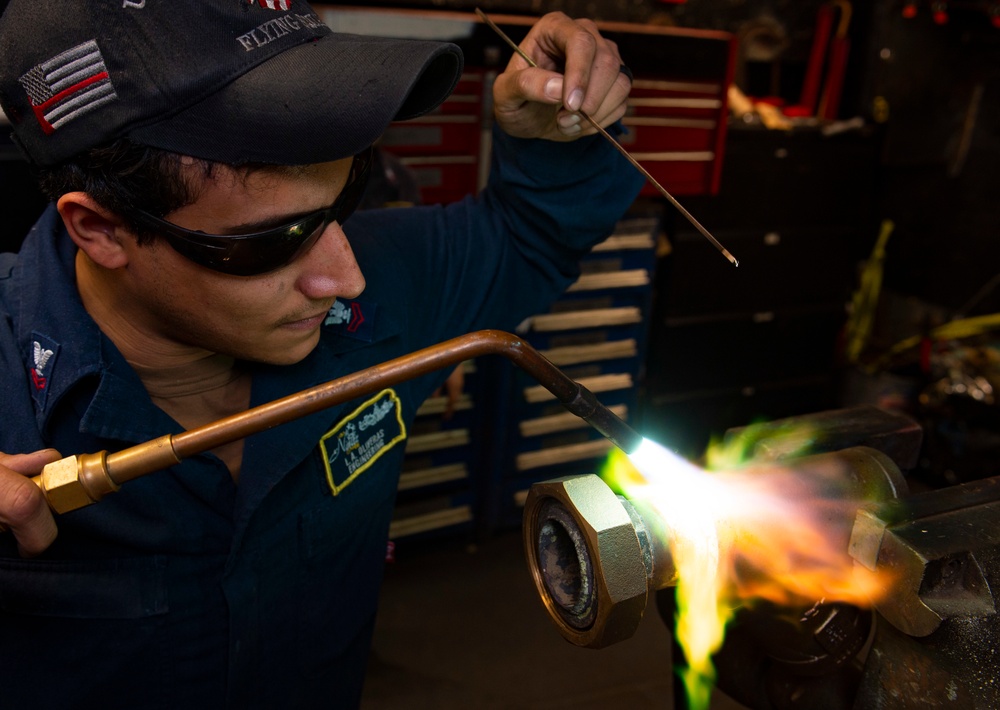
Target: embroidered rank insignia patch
(355, 319)
(361, 438)
(43, 360)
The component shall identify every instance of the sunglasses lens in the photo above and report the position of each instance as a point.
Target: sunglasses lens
(250, 257)
(253, 254)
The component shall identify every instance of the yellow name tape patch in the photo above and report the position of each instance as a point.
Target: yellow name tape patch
(359, 439)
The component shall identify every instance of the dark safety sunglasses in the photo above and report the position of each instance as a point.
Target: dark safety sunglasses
(260, 252)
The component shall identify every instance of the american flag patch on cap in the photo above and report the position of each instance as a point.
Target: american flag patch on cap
(68, 86)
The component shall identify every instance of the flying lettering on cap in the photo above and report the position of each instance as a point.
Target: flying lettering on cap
(269, 31)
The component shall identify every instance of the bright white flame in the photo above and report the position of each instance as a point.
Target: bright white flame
(749, 533)
(691, 503)
(682, 493)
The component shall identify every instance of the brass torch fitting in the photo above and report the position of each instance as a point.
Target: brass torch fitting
(79, 480)
(76, 481)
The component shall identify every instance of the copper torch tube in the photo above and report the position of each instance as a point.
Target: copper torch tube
(126, 465)
(168, 450)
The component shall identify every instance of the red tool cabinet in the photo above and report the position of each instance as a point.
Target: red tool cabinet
(677, 110)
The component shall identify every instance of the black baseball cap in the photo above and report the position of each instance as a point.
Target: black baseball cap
(232, 81)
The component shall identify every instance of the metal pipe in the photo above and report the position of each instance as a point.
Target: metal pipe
(79, 480)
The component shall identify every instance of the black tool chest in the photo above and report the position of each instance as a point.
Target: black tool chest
(730, 346)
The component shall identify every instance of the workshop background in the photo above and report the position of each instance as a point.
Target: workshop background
(845, 153)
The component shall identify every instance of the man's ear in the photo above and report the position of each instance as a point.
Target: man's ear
(99, 233)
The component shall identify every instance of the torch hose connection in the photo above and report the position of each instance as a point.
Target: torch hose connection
(77, 481)
(596, 556)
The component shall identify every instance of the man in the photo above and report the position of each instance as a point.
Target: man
(202, 157)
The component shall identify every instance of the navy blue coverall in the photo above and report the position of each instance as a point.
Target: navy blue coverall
(187, 590)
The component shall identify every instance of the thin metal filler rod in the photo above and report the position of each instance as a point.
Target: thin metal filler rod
(662, 190)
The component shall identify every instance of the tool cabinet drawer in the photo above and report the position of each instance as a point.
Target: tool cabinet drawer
(687, 423)
(797, 267)
(442, 178)
(725, 353)
(680, 172)
(445, 134)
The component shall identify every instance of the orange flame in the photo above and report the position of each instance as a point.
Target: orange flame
(745, 534)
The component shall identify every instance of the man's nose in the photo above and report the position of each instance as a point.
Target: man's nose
(329, 268)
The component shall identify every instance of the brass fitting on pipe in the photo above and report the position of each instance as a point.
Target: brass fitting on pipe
(595, 556)
(76, 481)
(79, 480)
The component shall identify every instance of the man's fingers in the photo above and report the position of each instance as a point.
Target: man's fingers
(29, 464)
(612, 108)
(581, 51)
(597, 79)
(23, 508)
(577, 70)
(528, 85)
(589, 62)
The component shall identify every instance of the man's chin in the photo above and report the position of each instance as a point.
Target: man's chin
(288, 355)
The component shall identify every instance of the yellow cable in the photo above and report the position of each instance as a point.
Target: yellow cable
(865, 300)
(953, 330)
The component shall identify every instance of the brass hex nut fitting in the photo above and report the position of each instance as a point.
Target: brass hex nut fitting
(586, 560)
(60, 481)
(75, 481)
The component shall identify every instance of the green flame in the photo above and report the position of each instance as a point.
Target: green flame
(700, 590)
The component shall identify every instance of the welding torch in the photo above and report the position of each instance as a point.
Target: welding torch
(79, 480)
